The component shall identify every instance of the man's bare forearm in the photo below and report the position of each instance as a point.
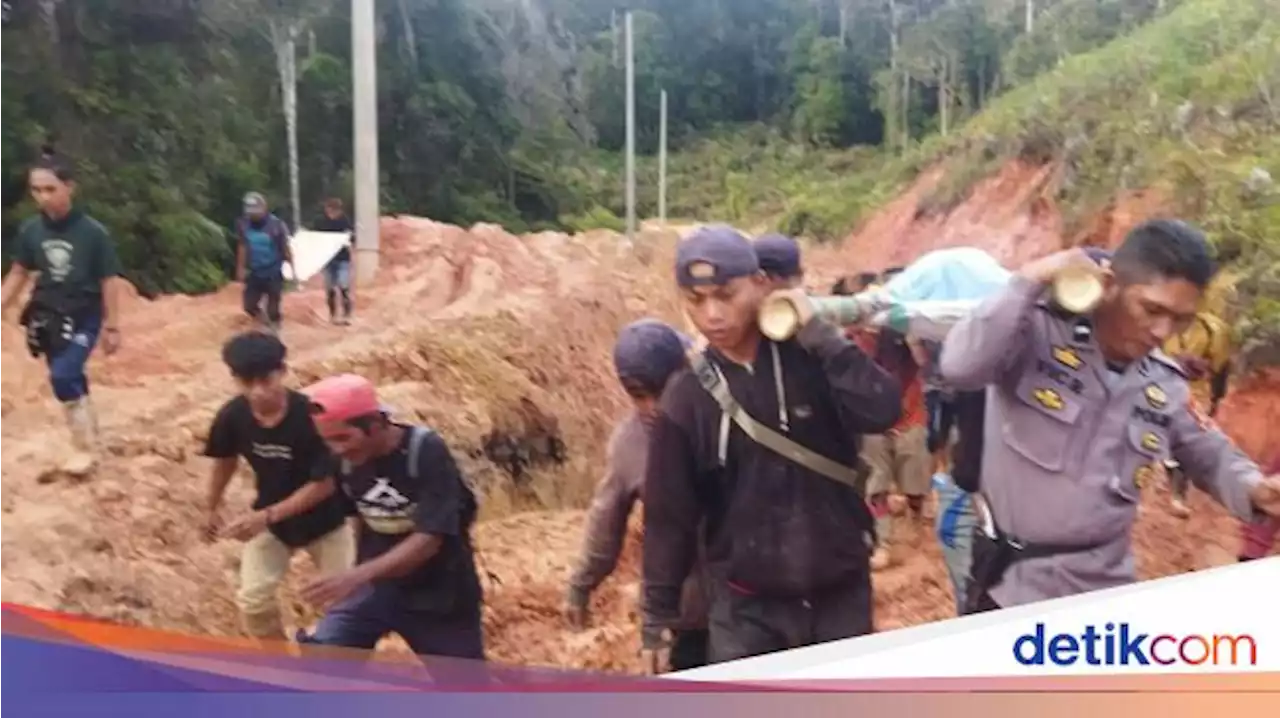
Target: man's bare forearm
(111, 288)
(219, 478)
(302, 500)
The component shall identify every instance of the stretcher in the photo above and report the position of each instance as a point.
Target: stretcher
(312, 251)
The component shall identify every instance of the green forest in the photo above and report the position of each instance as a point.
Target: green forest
(798, 114)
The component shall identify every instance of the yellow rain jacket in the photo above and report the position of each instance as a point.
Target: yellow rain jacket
(1209, 339)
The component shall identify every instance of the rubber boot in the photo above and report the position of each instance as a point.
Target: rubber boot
(346, 307)
(266, 625)
(1178, 486)
(881, 558)
(83, 424)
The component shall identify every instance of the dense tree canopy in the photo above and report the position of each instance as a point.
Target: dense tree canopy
(497, 110)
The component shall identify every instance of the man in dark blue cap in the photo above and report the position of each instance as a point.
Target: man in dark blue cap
(750, 459)
(647, 354)
(779, 258)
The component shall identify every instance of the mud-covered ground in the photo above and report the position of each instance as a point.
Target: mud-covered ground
(502, 343)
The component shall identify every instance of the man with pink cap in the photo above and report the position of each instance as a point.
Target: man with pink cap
(415, 573)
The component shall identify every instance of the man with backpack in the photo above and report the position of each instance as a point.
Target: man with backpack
(754, 440)
(415, 572)
(262, 248)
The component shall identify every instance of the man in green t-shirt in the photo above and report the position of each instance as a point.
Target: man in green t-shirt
(75, 299)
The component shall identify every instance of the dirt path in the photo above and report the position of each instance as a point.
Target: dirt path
(503, 344)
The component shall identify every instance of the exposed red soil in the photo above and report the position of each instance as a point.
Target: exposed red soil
(476, 331)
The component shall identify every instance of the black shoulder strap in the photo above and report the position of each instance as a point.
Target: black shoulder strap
(417, 434)
(715, 384)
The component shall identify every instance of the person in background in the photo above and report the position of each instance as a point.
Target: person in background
(1204, 351)
(416, 569)
(1079, 408)
(76, 299)
(940, 408)
(296, 506)
(337, 273)
(647, 354)
(957, 490)
(900, 456)
(1258, 537)
(786, 545)
(779, 258)
(262, 248)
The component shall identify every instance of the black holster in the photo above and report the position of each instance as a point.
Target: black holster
(992, 558)
(49, 331)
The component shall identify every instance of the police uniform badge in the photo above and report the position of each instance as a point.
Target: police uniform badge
(1067, 357)
(1049, 399)
(1156, 396)
(1151, 441)
(1144, 476)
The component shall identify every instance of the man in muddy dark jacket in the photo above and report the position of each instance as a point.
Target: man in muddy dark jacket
(786, 547)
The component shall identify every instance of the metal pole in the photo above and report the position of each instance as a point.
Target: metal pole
(631, 135)
(364, 76)
(662, 159)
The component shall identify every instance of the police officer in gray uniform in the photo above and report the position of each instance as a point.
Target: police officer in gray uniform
(1079, 409)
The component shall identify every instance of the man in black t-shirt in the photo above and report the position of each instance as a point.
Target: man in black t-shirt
(415, 573)
(296, 505)
(337, 273)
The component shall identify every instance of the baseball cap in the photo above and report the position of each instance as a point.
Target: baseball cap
(342, 398)
(714, 255)
(254, 200)
(647, 352)
(778, 255)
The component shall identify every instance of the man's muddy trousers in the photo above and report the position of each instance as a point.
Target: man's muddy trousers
(744, 625)
(449, 644)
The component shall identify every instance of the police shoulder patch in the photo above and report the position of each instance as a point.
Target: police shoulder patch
(1067, 357)
(1049, 399)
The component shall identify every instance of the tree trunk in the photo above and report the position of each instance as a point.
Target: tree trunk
(944, 98)
(982, 85)
(49, 15)
(284, 40)
(613, 29)
(906, 108)
(844, 22)
(1031, 15)
(410, 39)
(897, 109)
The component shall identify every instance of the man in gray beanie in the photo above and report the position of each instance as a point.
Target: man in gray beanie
(646, 355)
(786, 536)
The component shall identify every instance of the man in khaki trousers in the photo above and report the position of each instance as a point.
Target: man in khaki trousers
(899, 457)
(296, 506)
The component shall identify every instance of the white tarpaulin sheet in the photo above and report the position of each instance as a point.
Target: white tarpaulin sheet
(311, 251)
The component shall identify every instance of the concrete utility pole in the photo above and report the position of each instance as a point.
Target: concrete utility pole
(364, 80)
(631, 134)
(662, 159)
